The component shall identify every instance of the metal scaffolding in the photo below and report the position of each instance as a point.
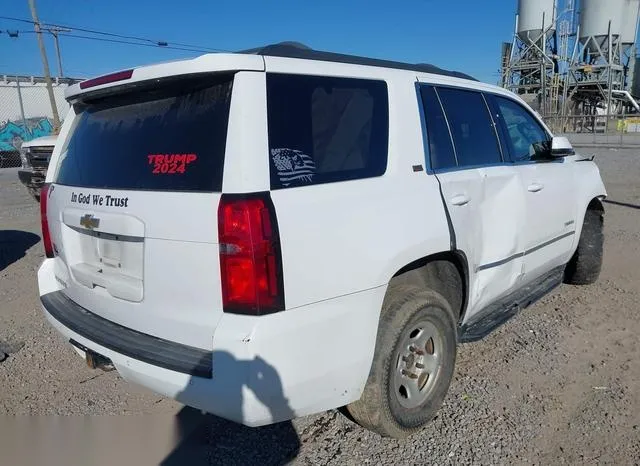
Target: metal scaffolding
(562, 72)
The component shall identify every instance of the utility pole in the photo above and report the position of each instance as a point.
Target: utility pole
(45, 65)
(54, 32)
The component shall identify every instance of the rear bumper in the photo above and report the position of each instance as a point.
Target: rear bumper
(260, 370)
(125, 341)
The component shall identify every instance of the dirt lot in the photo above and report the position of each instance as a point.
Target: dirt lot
(558, 384)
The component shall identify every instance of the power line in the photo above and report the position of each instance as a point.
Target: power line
(118, 41)
(143, 40)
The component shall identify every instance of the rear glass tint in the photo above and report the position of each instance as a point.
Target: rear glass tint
(168, 137)
(440, 146)
(325, 129)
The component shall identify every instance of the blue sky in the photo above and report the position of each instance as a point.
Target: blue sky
(463, 35)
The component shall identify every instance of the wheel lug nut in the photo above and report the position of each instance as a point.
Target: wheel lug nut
(411, 375)
(419, 366)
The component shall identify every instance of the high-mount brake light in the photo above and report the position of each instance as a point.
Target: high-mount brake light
(250, 258)
(44, 222)
(106, 79)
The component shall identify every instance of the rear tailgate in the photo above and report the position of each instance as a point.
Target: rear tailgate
(133, 207)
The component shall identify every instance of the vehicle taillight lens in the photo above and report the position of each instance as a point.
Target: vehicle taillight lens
(106, 79)
(46, 235)
(250, 259)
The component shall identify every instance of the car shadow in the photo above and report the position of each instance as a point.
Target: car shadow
(14, 244)
(622, 204)
(208, 439)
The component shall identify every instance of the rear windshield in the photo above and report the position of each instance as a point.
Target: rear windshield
(167, 137)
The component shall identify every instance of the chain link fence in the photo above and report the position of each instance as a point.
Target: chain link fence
(606, 129)
(25, 112)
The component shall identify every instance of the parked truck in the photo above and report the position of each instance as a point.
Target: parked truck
(35, 155)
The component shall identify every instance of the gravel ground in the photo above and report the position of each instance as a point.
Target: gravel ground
(558, 384)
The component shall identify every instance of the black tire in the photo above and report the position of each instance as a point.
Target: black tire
(585, 265)
(379, 408)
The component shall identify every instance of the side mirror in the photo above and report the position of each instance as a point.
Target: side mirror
(561, 147)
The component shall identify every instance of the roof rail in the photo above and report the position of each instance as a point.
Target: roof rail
(298, 50)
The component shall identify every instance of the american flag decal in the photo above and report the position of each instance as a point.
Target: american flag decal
(293, 166)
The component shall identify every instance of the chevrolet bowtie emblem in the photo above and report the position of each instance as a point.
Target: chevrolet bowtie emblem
(89, 221)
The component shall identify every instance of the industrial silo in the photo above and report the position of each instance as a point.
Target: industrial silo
(629, 22)
(595, 17)
(635, 86)
(534, 18)
(628, 42)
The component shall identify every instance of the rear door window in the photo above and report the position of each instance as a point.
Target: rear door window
(167, 137)
(325, 129)
(474, 135)
(441, 149)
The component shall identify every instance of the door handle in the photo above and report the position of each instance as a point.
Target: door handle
(460, 199)
(535, 187)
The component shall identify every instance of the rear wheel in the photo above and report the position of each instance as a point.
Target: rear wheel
(585, 265)
(413, 363)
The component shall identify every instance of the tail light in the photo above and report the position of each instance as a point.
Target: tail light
(107, 79)
(250, 258)
(46, 235)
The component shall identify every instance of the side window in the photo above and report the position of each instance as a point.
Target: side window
(325, 129)
(471, 126)
(440, 146)
(527, 140)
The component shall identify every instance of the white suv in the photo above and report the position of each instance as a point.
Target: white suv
(278, 232)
